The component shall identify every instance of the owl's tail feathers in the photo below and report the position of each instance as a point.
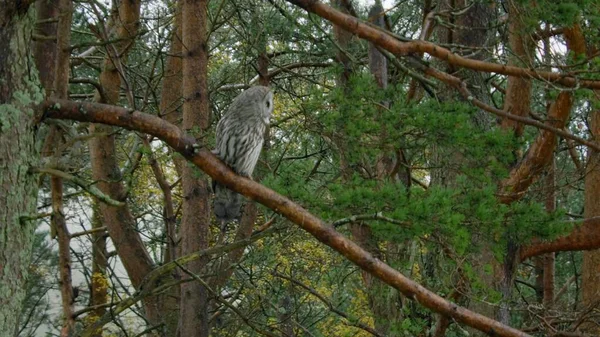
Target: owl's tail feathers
(227, 203)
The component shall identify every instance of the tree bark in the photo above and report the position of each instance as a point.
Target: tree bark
(590, 278)
(44, 51)
(61, 85)
(517, 100)
(170, 96)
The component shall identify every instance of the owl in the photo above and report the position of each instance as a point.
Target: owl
(239, 140)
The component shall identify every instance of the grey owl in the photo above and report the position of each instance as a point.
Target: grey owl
(240, 136)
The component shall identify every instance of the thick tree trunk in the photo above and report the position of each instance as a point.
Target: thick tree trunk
(19, 90)
(518, 89)
(590, 278)
(194, 318)
(591, 259)
(170, 96)
(343, 39)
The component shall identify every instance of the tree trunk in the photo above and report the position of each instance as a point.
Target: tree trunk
(591, 259)
(590, 278)
(19, 91)
(99, 282)
(194, 318)
(44, 51)
(61, 86)
(170, 110)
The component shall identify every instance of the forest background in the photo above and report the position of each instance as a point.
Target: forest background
(431, 168)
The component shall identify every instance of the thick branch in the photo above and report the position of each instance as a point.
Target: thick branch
(390, 43)
(584, 237)
(205, 160)
(539, 154)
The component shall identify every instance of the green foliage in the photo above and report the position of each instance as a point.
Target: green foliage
(561, 13)
(354, 121)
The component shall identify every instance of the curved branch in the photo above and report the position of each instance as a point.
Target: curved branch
(392, 44)
(211, 165)
(584, 237)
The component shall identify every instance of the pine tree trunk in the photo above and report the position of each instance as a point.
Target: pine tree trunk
(195, 220)
(19, 91)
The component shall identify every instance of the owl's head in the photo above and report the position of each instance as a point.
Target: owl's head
(266, 102)
(254, 103)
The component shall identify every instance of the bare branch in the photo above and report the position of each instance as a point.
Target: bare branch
(329, 305)
(88, 187)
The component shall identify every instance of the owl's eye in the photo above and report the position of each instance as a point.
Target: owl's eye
(268, 104)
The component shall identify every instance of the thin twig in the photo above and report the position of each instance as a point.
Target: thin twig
(88, 187)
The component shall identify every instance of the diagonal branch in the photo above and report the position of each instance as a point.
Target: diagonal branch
(387, 41)
(205, 160)
(90, 188)
(461, 86)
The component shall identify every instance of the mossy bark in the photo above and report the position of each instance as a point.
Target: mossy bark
(19, 91)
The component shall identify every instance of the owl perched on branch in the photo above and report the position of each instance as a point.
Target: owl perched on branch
(240, 136)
